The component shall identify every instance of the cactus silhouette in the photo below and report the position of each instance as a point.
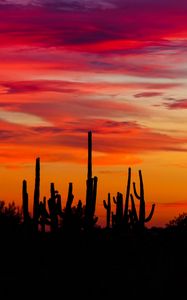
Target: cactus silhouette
(91, 189)
(36, 195)
(121, 218)
(107, 206)
(142, 213)
(126, 209)
(44, 215)
(119, 210)
(25, 202)
(52, 205)
(68, 213)
(80, 216)
(69, 198)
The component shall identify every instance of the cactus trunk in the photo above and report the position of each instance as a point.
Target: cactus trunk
(91, 189)
(25, 202)
(36, 194)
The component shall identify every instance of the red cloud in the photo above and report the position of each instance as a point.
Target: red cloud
(117, 142)
(147, 94)
(177, 104)
(133, 27)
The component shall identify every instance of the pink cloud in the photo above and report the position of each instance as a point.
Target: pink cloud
(109, 137)
(147, 94)
(133, 27)
(177, 104)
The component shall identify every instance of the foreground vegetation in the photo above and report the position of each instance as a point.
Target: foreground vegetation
(61, 252)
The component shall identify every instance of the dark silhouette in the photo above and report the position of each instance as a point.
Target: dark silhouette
(178, 223)
(107, 206)
(91, 190)
(62, 253)
(121, 218)
(25, 200)
(142, 213)
(10, 217)
(36, 195)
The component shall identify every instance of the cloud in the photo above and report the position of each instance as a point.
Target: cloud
(112, 137)
(147, 94)
(36, 86)
(114, 142)
(134, 27)
(79, 107)
(177, 104)
(22, 118)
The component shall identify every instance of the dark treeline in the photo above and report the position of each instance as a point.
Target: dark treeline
(60, 251)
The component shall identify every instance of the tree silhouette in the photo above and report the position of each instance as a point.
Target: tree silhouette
(179, 222)
(10, 216)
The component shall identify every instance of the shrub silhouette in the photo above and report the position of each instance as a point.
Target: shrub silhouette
(179, 222)
(10, 216)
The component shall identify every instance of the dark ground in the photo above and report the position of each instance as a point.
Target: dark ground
(97, 266)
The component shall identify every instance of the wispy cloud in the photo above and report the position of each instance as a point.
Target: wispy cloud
(22, 118)
(148, 94)
(176, 104)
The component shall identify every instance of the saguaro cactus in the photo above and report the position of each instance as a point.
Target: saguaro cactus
(107, 206)
(121, 217)
(126, 209)
(69, 198)
(44, 216)
(53, 208)
(36, 194)
(91, 189)
(25, 202)
(142, 213)
(119, 210)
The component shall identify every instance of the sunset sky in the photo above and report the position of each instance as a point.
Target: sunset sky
(116, 67)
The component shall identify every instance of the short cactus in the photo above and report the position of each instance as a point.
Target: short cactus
(107, 206)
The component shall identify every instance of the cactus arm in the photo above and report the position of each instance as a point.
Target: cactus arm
(133, 209)
(114, 200)
(135, 191)
(141, 184)
(105, 204)
(151, 214)
(45, 212)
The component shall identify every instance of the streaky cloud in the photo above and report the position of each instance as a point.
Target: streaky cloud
(22, 118)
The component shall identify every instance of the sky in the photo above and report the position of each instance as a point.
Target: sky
(116, 67)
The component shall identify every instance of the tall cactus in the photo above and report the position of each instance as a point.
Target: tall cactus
(142, 213)
(126, 209)
(36, 194)
(91, 189)
(107, 206)
(25, 202)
